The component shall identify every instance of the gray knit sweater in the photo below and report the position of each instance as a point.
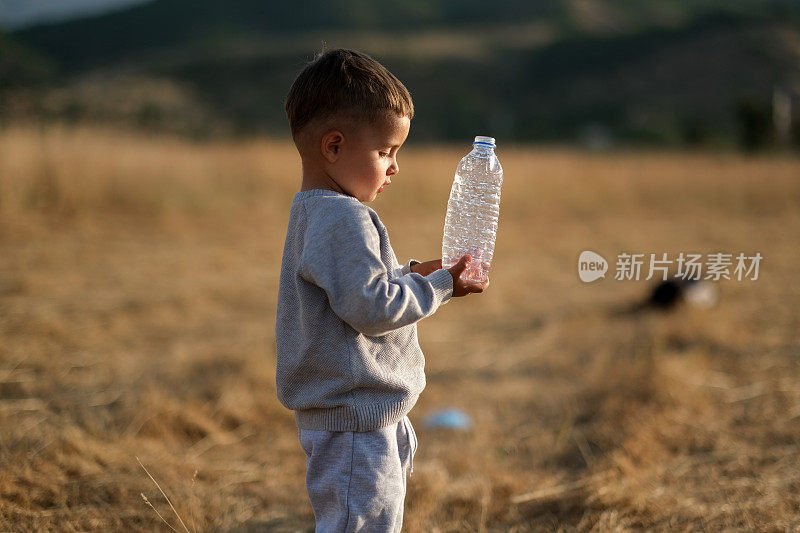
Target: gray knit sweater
(346, 332)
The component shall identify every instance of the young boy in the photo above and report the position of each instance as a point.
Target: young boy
(349, 362)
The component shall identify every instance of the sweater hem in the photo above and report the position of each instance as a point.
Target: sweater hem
(353, 418)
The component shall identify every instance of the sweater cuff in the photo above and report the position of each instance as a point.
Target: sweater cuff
(442, 282)
(407, 267)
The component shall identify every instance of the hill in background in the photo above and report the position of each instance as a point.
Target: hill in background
(678, 72)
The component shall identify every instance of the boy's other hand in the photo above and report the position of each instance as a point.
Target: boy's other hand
(428, 267)
(462, 287)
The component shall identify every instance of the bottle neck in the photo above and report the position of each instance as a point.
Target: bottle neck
(482, 149)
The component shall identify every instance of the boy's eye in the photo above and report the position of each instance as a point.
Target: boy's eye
(383, 154)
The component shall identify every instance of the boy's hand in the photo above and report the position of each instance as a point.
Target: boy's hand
(428, 267)
(462, 287)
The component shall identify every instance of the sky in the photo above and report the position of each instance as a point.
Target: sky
(16, 14)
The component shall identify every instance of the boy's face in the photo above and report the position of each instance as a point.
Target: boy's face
(368, 157)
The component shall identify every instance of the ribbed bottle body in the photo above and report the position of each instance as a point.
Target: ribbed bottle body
(473, 211)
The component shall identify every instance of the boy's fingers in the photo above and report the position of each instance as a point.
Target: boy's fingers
(478, 287)
(462, 265)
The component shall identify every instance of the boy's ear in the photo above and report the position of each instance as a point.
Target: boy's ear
(332, 145)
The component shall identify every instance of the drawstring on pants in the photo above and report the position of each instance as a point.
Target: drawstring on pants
(412, 442)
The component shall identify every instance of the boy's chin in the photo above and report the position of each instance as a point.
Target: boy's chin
(368, 196)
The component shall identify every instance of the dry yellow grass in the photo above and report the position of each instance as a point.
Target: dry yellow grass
(137, 296)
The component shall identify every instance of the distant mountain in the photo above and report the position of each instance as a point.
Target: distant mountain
(647, 70)
(23, 13)
(203, 25)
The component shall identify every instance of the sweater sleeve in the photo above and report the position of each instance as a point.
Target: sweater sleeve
(341, 255)
(406, 269)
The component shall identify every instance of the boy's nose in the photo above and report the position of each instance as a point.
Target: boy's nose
(393, 169)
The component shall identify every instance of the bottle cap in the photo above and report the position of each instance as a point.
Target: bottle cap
(484, 141)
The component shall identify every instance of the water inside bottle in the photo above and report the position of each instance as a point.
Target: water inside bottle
(473, 212)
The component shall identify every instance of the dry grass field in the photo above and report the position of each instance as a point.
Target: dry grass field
(138, 282)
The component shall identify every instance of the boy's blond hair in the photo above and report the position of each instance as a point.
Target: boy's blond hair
(345, 84)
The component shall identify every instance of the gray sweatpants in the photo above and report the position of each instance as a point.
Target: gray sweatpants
(356, 481)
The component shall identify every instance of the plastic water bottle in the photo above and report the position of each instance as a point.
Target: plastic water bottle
(470, 226)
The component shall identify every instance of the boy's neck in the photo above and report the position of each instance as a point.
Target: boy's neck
(317, 178)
